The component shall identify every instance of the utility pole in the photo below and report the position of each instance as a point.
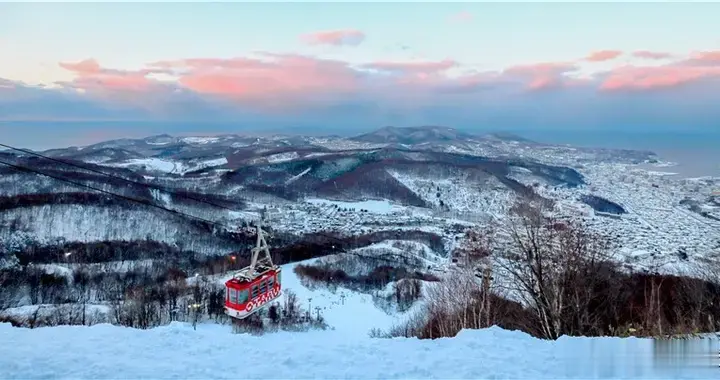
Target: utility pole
(197, 297)
(309, 307)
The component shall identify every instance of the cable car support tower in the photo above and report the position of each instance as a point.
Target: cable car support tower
(258, 266)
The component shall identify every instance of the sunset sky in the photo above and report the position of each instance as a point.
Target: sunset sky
(362, 65)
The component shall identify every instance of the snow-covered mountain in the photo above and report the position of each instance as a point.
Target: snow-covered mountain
(400, 202)
(437, 179)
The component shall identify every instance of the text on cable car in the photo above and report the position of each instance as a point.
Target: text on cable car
(262, 299)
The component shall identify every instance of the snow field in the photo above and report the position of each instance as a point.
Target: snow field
(273, 158)
(170, 166)
(212, 351)
(200, 140)
(373, 206)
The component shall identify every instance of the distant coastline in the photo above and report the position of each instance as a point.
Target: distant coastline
(693, 154)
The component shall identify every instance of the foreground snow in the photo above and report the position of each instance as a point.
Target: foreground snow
(345, 351)
(177, 351)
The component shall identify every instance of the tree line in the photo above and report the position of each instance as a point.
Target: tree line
(557, 278)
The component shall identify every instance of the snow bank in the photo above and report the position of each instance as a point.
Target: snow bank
(177, 351)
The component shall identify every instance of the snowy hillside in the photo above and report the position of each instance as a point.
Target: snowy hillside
(72, 223)
(439, 180)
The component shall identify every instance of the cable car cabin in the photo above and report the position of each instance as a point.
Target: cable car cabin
(254, 286)
(245, 295)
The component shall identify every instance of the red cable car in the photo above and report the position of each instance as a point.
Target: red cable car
(255, 286)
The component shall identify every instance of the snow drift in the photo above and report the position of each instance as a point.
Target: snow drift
(177, 351)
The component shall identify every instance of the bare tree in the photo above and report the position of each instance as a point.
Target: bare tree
(554, 266)
(709, 272)
(33, 275)
(81, 280)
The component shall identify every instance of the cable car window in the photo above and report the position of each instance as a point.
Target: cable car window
(254, 292)
(263, 287)
(242, 296)
(271, 282)
(278, 277)
(233, 296)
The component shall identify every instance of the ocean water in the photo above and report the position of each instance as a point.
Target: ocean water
(697, 154)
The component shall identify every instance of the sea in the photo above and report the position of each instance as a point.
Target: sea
(693, 154)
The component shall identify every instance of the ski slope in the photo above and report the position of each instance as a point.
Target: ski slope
(346, 312)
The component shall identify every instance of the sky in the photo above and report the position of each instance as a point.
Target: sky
(88, 71)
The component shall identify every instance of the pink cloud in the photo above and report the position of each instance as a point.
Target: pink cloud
(542, 68)
(88, 66)
(349, 37)
(541, 75)
(417, 67)
(461, 17)
(90, 76)
(544, 82)
(291, 80)
(603, 55)
(262, 79)
(272, 76)
(648, 78)
(709, 57)
(645, 54)
(209, 63)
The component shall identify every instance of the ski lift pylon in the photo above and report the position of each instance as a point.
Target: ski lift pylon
(255, 286)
